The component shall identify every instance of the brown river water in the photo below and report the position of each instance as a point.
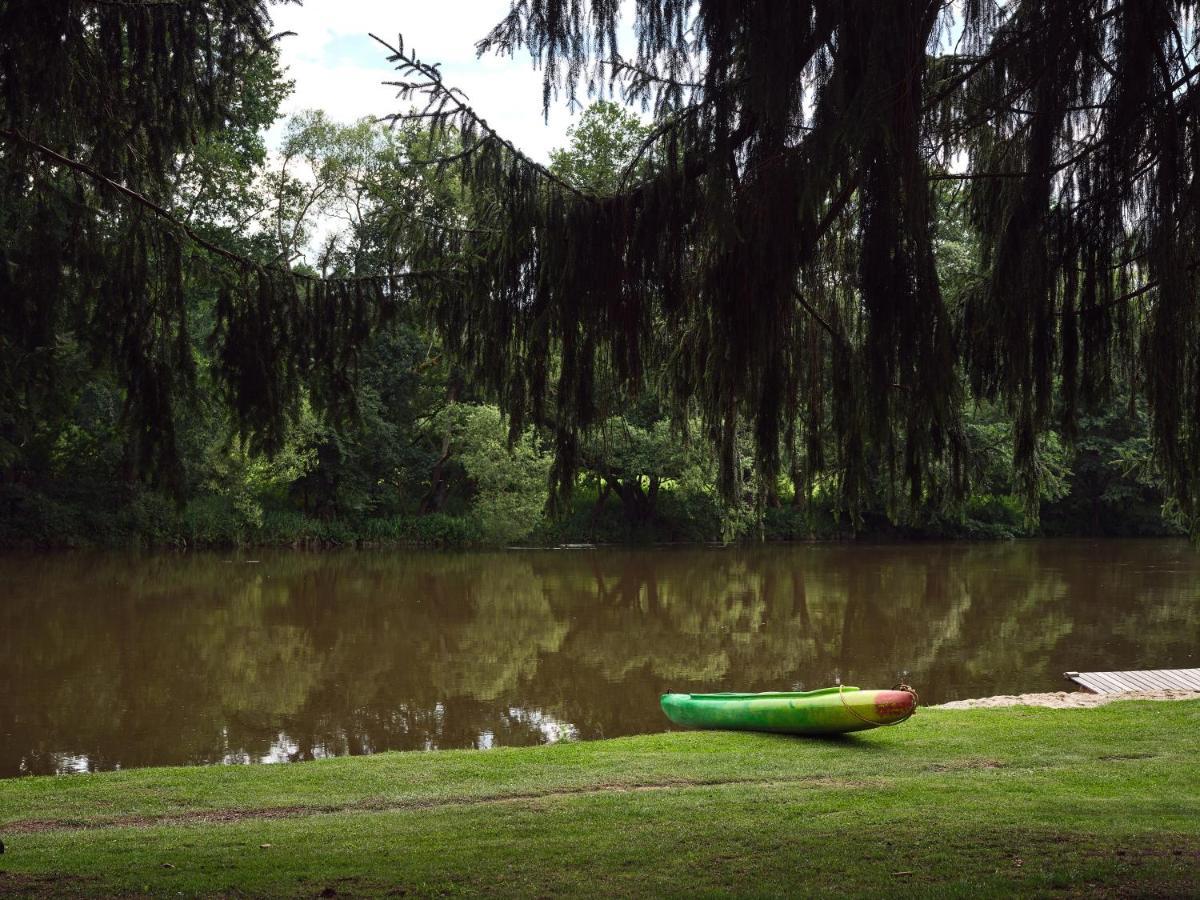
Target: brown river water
(113, 661)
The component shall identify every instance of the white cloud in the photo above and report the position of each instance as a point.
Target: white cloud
(338, 68)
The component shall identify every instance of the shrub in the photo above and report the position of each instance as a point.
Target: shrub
(28, 516)
(444, 530)
(212, 520)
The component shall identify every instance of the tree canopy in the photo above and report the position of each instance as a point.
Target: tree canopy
(768, 250)
(774, 242)
(121, 123)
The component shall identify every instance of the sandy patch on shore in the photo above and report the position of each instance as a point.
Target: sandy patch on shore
(1066, 699)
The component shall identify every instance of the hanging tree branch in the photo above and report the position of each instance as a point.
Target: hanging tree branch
(812, 127)
(447, 106)
(794, 110)
(244, 263)
(130, 194)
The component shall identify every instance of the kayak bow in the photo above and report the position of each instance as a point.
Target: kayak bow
(827, 711)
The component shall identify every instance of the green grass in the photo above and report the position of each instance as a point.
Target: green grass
(953, 803)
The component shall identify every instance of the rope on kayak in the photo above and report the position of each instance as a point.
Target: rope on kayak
(900, 687)
(916, 700)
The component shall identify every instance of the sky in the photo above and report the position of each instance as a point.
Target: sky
(337, 67)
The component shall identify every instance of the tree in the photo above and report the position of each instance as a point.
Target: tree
(602, 145)
(630, 453)
(779, 250)
(633, 456)
(1112, 486)
(115, 95)
(770, 244)
(102, 108)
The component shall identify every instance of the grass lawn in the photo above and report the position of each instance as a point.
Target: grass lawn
(1101, 801)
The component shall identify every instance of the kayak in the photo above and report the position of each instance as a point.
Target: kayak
(826, 711)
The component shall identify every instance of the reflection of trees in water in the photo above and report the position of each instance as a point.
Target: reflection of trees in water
(1012, 611)
(498, 645)
(263, 668)
(1135, 609)
(184, 659)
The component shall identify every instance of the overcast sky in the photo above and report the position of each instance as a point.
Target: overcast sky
(338, 68)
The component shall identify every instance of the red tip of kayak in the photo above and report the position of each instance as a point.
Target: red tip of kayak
(894, 705)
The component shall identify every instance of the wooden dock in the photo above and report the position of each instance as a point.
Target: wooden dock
(1144, 680)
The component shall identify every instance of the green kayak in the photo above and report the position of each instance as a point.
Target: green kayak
(827, 711)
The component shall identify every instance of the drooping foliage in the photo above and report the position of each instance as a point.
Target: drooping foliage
(773, 241)
(106, 110)
(767, 253)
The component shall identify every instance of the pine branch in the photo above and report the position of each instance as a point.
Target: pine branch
(645, 75)
(242, 262)
(655, 133)
(448, 105)
(129, 193)
(1124, 298)
(817, 317)
(1130, 295)
(835, 210)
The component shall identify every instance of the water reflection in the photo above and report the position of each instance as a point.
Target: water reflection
(116, 661)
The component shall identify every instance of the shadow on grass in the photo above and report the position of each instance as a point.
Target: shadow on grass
(851, 741)
(841, 741)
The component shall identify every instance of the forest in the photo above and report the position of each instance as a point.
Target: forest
(149, 397)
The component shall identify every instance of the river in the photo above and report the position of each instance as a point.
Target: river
(117, 660)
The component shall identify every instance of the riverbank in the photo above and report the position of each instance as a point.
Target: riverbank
(982, 802)
(58, 516)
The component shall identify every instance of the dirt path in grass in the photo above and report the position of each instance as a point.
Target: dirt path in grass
(1066, 699)
(222, 816)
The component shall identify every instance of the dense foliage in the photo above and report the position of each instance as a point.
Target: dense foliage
(774, 245)
(830, 264)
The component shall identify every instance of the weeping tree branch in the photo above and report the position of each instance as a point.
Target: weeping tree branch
(836, 207)
(818, 318)
(448, 105)
(244, 263)
(140, 199)
(654, 134)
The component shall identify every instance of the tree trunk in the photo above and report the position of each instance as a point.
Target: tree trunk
(601, 499)
(639, 504)
(435, 499)
(652, 498)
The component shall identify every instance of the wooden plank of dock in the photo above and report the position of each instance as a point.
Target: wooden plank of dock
(1138, 680)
